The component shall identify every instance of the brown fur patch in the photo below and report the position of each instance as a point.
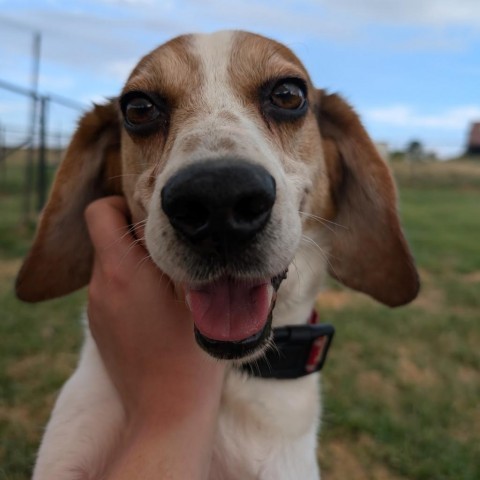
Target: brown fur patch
(113, 169)
(228, 116)
(369, 251)
(191, 143)
(254, 62)
(226, 144)
(60, 259)
(173, 72)
(170, 70)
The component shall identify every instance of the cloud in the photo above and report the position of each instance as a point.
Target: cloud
(404, 116)
(8, 107)
(411, 12)
(56, 82)
(121, 68)
(133, 3)
(90, 98)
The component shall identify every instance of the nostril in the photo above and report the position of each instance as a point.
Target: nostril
(250, 209)
(189, 216)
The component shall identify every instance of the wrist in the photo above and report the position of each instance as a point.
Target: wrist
(176, 395)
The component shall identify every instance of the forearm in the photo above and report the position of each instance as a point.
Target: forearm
(173, 442)
(170, 389)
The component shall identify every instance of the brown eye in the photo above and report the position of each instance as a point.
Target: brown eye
(140, 111)
(144, 113)
(288, 95)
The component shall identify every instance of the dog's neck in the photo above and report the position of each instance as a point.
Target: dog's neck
(297, 294)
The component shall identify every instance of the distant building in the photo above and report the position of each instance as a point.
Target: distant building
(383, 150)
(473, 142)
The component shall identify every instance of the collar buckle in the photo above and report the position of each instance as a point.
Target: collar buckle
(298, 350)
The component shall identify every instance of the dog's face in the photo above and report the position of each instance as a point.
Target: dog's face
(229, 140)
(228, 157)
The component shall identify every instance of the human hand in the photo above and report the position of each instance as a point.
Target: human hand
(143, 330)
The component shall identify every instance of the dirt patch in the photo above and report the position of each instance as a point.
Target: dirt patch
(466, 432)
(468, 375)
(9, 269)
(410, 373)
(16, 415)
(473, 277)
(374, 383)
(431, 299)
(28, 367)
(338, 299)
(344, 463)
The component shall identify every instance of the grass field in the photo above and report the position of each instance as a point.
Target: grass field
(401, 387)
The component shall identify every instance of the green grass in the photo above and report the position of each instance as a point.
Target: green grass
(448, 233)
(38, 343)
(401, 387)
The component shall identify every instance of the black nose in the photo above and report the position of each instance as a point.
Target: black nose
(219, 204)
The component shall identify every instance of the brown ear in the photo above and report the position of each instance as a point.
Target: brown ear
(60, 259)
(369, 252)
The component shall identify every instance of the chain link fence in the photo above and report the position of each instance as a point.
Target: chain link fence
(30, 152)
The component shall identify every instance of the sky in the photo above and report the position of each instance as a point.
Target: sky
(410, 68)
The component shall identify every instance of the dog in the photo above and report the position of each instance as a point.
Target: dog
(244, 172)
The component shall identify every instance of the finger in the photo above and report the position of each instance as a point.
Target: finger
(109, 231)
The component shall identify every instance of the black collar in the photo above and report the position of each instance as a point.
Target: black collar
(297, 350)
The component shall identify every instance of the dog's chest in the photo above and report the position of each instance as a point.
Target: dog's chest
(267, 429)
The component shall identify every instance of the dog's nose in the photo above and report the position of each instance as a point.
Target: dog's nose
(219, 204)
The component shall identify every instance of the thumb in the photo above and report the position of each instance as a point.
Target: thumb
(111, 236)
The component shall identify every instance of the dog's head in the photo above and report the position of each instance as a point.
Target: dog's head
(223, 146)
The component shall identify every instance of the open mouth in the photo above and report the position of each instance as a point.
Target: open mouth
(233, 317)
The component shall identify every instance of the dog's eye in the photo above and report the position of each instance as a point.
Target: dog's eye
(288, 95)
(284, 100)
(140, 111)
(144, 113)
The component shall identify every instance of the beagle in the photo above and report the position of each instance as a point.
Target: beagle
(243, 172)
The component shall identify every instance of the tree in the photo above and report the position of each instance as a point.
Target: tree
(415, 151)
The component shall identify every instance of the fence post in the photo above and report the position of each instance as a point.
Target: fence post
(30, 167)
(29, 170)
(42, 155)
(3, 152)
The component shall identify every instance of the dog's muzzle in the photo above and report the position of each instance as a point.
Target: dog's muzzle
(219, 208)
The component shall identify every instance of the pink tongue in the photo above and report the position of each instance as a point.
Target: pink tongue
(229, 311)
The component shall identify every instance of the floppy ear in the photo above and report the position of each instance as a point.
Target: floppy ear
(368, 250)
(60, 259)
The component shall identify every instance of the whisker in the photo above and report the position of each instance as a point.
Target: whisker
(324, 255)
(139, 223)
(132, 245)
(272, 345)
(131, 228)
(297, 271)
(126, 232)
(312, 242)
(142, 261)
(308, 265)
(322, 220)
